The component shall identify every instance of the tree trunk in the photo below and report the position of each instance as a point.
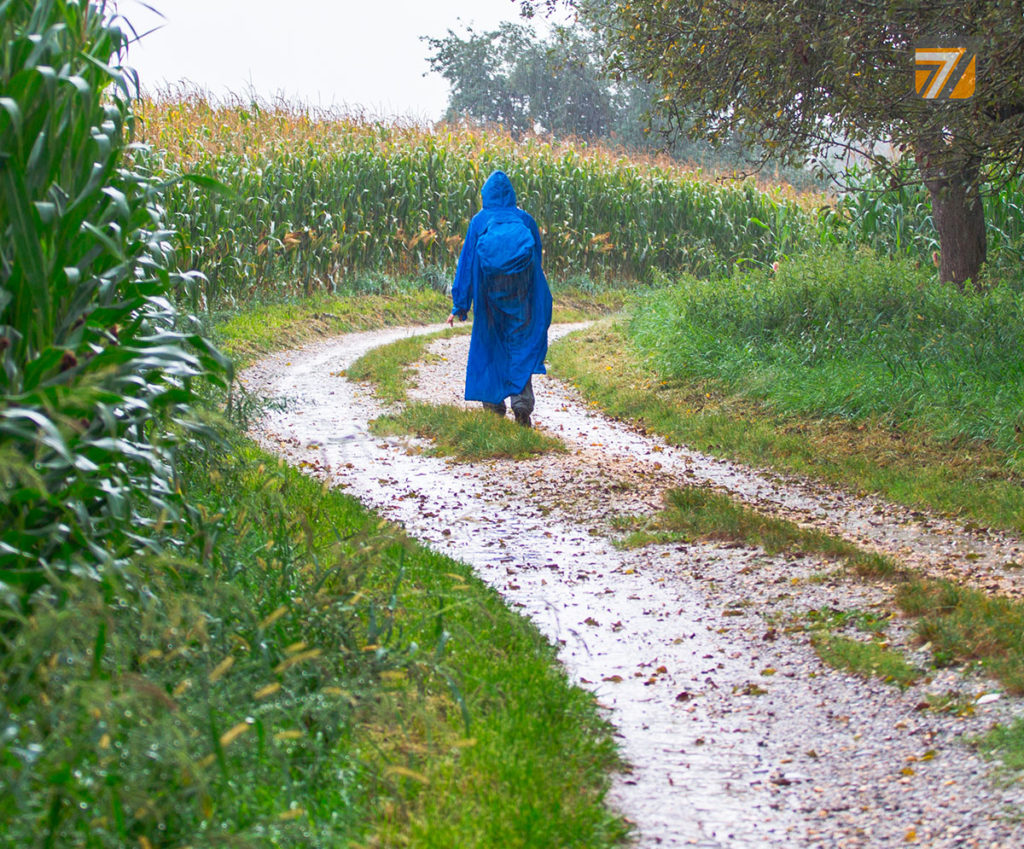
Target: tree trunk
(953, 184)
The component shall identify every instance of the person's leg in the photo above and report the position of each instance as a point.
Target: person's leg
(497, 409)
(522, 404)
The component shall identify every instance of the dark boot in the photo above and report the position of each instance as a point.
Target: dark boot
(522, 405)
(497, 409)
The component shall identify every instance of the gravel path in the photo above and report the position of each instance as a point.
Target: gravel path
(738, 735)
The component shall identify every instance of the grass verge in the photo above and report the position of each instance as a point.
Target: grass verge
(1005, 742)
(968, 479)
(965, 625)
(387, 367)
(701, 513)
(467, 435)
(856, 337)
(315, 678)
(869, 659)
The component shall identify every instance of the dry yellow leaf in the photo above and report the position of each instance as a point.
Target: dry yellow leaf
(405, 772)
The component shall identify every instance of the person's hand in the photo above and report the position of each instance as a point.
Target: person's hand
(451, 320)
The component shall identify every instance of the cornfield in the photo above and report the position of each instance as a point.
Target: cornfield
(310, 199)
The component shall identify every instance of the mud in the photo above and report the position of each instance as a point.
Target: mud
(738, 736)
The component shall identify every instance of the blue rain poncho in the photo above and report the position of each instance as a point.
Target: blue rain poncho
(512, 303)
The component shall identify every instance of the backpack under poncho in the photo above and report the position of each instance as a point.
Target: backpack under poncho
(505, 246)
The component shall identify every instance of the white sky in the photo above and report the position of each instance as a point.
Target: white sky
(355, 53)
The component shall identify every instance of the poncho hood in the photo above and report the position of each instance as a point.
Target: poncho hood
(497, 192)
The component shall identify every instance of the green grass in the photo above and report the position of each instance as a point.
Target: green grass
(387, 367)
(869, 659)
(911, 466)
(967, 625)
(467, 435)
(701, 513)
(1005, 742)
(316, 679)
(857, 338)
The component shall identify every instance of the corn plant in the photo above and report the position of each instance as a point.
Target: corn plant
(893, 215)
(94, 375)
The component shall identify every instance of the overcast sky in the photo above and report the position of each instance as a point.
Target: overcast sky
(357, 53)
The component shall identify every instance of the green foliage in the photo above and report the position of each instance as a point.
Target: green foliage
(316, 201)
(892, 214)
(96, 378)
(278, 691)
(556, 84)
(510, 77)
(803, 79)
(866, 658)
(194, 700)
(964, 624)
(860, 338)
(1005, 742)
(802, 76)
(467, 435)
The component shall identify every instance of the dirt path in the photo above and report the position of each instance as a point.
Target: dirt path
(739, 736)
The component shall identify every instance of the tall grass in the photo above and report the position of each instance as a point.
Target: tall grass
(856, 338)
(316, 679)
(313, 199)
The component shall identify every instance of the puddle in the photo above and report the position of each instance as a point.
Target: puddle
(736, 740)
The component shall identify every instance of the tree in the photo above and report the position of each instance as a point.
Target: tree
(507, 76)
(796, 77)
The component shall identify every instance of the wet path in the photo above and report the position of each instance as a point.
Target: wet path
(737, 735)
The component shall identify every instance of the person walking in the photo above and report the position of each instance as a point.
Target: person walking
(500, 276)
